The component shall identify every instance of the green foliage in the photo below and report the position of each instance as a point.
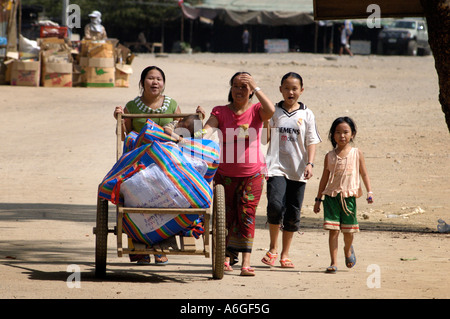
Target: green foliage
(133, 14)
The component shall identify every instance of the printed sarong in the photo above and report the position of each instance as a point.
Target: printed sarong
(242, 195)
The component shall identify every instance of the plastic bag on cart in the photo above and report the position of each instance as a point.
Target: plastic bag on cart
(203, 149)
(154, 228)
(151, 187)
(167, 156)
(165, 175)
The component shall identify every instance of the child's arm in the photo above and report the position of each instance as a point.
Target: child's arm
(322, 185)
(202, 111)
(311, 150)
(169, 129)
(365, 177)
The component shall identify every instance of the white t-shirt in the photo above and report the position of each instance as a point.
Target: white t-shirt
(290, 135)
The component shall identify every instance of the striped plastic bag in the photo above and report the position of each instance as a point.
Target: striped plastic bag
(167, 156)
(151, 229)
(152, 188)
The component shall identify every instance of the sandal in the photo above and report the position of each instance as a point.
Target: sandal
(159, 259)
(286, 263)
(269, 258)
(227, 266)
(350, 260)
(331, 270)
(247, 271)
(143, 260)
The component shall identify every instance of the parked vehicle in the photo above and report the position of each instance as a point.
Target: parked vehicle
(406, 36)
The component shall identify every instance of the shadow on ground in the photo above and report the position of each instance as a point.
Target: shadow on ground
(87, 214)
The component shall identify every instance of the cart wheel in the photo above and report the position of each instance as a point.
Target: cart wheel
(101, 237)
(218, 232)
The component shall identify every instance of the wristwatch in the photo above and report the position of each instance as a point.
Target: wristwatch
(257, 89)
(309, 163)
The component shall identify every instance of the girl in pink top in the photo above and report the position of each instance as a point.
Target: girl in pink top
(241, 170)
(344, 166)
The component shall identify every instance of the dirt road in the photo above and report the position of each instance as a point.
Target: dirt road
(58, 144)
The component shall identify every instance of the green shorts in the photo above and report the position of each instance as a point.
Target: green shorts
(340, 214)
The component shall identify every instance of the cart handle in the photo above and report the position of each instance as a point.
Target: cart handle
(119, 127)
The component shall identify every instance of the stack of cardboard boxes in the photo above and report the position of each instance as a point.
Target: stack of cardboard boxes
(124, 58)
(56, 63)
(97, 64)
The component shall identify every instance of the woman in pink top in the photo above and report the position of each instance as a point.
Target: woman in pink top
(242, 166)
(344, 166)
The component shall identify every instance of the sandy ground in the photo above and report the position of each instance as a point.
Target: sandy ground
(58, 144)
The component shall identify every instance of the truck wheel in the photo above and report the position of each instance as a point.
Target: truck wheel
(412, 48)
(380, 49)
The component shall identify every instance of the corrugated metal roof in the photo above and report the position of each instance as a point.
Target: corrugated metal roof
(259, 5)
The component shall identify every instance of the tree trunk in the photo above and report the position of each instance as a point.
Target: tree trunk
(437, 13)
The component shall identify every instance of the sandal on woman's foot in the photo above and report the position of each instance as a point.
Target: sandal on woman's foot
(286, 263)
(331, 270)
(227, 266)
(247, 271)
(161, 259)
(269, 258)
(143, 260)
(350, 261)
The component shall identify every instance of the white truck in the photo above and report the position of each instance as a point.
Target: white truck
(405, 36)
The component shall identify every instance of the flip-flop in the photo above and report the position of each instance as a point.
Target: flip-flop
(160, 262)
(286, 263)
(247, 271)
(350, 260)
(331, 270)
(144, 260)
(227, 266)
(271, 258)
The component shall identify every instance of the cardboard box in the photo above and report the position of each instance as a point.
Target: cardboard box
(123, 72)
(56, 60)
(93, 49)
(25, 73)
(56, 74)
(76, 75)
(122, 54)
(97, 72)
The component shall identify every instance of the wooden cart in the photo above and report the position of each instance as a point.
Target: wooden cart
(214, 222)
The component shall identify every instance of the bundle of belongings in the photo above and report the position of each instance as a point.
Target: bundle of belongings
(155, 172)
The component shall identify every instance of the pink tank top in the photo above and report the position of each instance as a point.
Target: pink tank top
(344, 175)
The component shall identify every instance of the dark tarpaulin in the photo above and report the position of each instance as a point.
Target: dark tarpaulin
(257, 12)
(274, 18)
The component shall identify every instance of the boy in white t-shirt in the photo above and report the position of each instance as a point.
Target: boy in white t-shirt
(293, 135)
